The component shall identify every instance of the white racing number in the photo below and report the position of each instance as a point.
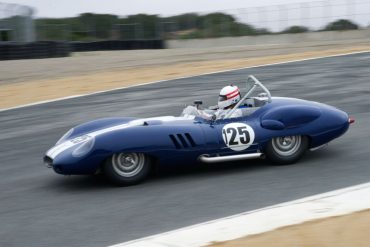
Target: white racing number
(238, 136)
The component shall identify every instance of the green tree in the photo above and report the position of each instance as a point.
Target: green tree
(90, 26)
(296, 29)
(141, 26)
(341, 25)
(98, 26)
(87, 26)
(220, 25)
(184, 21)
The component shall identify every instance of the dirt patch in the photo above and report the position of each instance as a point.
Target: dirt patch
(31, 91)
(341, 231)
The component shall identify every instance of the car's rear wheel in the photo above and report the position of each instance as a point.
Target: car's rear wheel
(126, 169)
(287, 149)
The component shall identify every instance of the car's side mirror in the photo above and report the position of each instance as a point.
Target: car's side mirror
(197, 103)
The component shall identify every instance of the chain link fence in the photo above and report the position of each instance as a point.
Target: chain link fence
(314, 15)
(289, 18)
(16, 23)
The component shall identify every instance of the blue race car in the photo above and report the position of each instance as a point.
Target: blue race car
(125, 149)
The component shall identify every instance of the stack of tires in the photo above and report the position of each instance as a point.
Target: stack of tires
(41, 49)
(112, 45)
(52, 49)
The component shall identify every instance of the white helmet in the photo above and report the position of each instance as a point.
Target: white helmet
(229, 95)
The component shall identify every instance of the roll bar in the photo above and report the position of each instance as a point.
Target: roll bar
(256, 83)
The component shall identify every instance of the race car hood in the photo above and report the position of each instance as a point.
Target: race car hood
(111, 124)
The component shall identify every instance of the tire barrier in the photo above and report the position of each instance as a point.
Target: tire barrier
(41, 49)
(111, 45)
(52, 49)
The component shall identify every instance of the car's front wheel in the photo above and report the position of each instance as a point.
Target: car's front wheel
(126, 169)
(287, 149)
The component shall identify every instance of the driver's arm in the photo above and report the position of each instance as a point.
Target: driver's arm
(193, 111)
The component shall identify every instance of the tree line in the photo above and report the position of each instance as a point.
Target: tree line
(90, 26)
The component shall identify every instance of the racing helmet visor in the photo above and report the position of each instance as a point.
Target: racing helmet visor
(222, 98)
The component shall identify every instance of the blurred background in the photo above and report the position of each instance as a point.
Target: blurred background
(142, 31)
(287, 18)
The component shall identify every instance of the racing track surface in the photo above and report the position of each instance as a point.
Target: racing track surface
(40, 208)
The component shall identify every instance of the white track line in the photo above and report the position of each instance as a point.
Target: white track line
(184, 77)
(334, 203)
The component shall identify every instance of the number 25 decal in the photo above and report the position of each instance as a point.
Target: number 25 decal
(238, 136)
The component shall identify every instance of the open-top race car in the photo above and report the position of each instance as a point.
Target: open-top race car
(125, 149)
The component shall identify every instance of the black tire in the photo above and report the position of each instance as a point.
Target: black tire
(125, 169)
(286, 150)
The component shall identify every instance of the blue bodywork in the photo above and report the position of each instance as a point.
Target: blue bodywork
(179, 140)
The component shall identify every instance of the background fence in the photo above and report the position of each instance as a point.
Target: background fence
(89, 32)
(290, 18)
(314, 15)
(17, 24)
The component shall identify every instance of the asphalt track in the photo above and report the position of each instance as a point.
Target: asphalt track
(40, 208)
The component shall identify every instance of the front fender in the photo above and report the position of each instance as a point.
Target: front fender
(97, 125)
(161, 142)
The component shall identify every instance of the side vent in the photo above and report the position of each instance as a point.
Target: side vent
(182, 141)
(190, 139)
(175, 142)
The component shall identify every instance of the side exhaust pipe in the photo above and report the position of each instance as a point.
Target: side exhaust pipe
(207, 159)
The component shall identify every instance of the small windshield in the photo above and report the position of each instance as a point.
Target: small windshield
(249, 85)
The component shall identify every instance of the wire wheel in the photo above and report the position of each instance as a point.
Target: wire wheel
(286, 150)
(287, 145)
(128, 164)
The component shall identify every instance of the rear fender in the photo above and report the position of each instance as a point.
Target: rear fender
(291, 116)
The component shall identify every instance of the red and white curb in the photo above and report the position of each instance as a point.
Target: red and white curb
(334, 203)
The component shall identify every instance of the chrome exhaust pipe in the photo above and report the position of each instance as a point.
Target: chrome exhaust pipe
(207, 159)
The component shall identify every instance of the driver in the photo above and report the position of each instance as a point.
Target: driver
(228, 98)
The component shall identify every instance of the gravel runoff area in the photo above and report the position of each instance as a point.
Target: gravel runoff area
(29, 81)
(339, 231)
